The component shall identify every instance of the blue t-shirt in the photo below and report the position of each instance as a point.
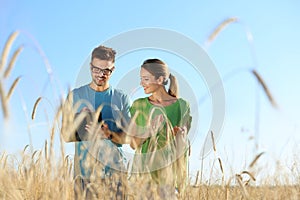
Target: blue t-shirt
(116, 106)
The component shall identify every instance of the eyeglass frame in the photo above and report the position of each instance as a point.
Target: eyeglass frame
(99, 70)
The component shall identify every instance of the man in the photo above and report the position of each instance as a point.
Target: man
(98, 160)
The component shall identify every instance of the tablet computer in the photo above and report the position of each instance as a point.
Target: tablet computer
(81, 134)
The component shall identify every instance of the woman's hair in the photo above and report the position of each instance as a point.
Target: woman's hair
(158, 68)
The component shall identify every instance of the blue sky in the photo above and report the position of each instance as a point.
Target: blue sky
(65, 32)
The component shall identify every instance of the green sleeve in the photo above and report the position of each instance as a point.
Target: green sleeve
(186, 116)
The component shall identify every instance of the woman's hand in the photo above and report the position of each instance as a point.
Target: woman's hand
(179, 130)
(181, 139)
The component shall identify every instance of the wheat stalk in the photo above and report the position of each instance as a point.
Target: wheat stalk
(51, 143)
(11, 89)
(25, 148)
(36, 151)
(7, 48)
(213, 141)
(215, 151)
(3, 102)
(62, 150)
(46, 150)
(2, 156)
(251, 175)
(265, 87)
(255, 159)
(219, 28)
(221, 167)
(197, 177)
(12, 61)
(35, 107)
(244, 191)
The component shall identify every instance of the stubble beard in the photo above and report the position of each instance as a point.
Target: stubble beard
(102, 81)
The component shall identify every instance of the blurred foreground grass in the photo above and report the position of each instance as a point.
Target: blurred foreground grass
(36, 176)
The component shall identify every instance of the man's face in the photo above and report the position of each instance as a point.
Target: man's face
(101, 71)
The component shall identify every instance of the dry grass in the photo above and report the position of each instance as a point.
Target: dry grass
(40, 174)
(219, 28)
(7, 48)
(35, 107)
(4, 97)
(37, 177)
(33, 178)
(12, 62)
(265, 87)
(234, 192)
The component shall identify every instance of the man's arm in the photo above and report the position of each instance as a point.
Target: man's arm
(135, 135)
(73, 124)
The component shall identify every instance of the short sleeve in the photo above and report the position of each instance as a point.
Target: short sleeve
(126, 110)
(186, 115)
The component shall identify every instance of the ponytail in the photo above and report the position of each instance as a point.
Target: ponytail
(173, 88)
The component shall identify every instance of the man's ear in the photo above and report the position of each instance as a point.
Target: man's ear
(90, 65)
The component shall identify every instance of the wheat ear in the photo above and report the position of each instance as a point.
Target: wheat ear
(7, 48)
(11, 89)
(35, 107)
(219, 28)
(12, 61)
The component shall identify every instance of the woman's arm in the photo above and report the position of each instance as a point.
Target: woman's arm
(134, 135)
(135, 140)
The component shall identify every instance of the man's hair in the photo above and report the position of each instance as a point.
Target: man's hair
(104, 53)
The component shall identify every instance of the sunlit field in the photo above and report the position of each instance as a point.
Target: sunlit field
(37, 176)
(48, 173)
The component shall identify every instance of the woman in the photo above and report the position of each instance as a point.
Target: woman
(165, 150)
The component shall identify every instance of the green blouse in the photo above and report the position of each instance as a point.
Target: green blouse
(178, 114)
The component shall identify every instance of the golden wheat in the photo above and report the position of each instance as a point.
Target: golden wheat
(38, 177)
(12, 61)
(265, 88)
(35, 107)
(213, 141)
(7, 48)
(255, 159)
(4, 98)
(3, 101)
(219, 28)
(11, 89)
(46, 150)
(215, 151)
(243, 189)
(251, 175)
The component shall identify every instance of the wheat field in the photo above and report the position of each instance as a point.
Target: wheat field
(39, 174)
(36, 176)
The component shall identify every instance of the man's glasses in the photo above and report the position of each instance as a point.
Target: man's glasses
(98, 70)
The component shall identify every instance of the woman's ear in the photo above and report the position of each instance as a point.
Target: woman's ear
(160, 80)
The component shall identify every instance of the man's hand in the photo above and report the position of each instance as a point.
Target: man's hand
(106, 132)
(85, 109)
(100, 130)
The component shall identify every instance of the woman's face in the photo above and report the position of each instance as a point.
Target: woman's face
(148, 81)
